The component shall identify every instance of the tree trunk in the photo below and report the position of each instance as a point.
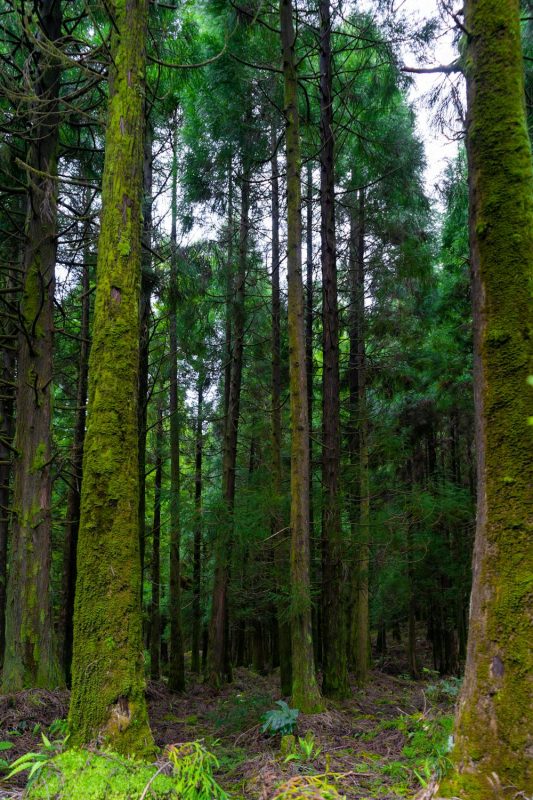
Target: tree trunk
(30, 656)
(176, 670)
(144, 313)
(229, 295)
(8, 339)
(70, 543)
(107, 699)
(197, 547)
(315, 544)
(155, 613)
(493, 728)
(358, 445)
(305, 693)
(281, 542)
(218, 665)
(335, 676)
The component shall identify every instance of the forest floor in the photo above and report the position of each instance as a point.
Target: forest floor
(383, 742)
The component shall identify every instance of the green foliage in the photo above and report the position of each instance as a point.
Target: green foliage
(445, 690)
(239, 711)
(305, 750)
(282, 720)
(36, 762)
(313, 787)
(82, 775)
(59, 727)
(193, 770)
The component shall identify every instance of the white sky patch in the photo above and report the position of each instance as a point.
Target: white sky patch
(439, 148)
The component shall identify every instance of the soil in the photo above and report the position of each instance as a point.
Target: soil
(355, 741)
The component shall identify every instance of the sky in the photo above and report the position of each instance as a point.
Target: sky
(439, 148)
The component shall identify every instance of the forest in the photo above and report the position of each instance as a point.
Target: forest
(265, 400)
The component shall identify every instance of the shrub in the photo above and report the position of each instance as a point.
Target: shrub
(281, 720)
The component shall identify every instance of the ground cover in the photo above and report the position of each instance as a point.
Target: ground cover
(385, 741)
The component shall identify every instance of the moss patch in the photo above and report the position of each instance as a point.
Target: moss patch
(81, 775)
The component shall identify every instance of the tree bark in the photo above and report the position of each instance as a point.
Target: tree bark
(218, 664)
(493, 728)
(281, 542)
(155, 571)
(176, 672)
(315, 542)
(305, 693)
(335, 675)
(144, 313)
(7, 430)
(359, 507)
(197, 546)
(30, 657)
(70, 542)
(107, 699)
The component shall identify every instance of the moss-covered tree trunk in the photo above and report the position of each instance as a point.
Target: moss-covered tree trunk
(335, 675)
(107, 700)
(493, 729)
(176, 664)
(305, 693)
(147, 281)
(30, 656)
(281, 541)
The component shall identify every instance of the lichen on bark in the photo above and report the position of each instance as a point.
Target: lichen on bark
(107, 702)
(493, 731)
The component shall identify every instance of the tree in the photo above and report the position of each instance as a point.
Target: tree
(305, 694)
(493, 722)
(30, 656)
(107, 698)
(176, 660)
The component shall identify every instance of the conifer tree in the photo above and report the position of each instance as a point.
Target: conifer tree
(107, 700)
(31, 657)
(494, 721)
(305, 694)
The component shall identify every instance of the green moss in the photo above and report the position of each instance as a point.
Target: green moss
(466, 787)
(107, 701)
(40, 457)
(81, 775)
(493, 721)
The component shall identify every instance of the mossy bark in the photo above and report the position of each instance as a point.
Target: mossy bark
(493, 729)
(147, 282)
(335, 674)
(30, 655)
(107, 701)
(305, 693)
